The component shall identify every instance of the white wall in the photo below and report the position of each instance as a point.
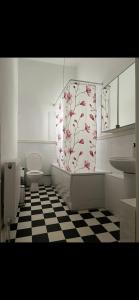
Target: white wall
(8, 114)
(115, 146)
(8, 108)
(40, 84)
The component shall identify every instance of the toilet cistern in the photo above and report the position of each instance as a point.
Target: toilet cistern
(34, 170)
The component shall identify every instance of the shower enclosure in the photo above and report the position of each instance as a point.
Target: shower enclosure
(76, 127)
(75, 175)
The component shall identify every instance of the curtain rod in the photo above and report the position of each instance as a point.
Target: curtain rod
(76, 80)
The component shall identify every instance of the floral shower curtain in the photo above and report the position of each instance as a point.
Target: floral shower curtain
(76, 128)
(105, 108)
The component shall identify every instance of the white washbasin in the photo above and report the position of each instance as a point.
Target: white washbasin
(125, 164)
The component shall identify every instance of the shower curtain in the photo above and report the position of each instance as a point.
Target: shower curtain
(105, 108)
(76, 128)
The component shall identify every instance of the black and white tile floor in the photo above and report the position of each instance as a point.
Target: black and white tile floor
(46, 218)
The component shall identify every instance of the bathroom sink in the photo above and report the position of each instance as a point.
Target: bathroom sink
(125, 164)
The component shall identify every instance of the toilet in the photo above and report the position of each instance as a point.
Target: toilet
(34, 173)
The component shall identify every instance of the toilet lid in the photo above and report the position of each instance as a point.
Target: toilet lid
(34, 162)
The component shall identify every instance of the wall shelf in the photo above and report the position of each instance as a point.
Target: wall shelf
(113, 133)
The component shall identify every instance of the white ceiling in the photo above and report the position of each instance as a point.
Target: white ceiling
(72, 62)
(101, 68)
(75, 61)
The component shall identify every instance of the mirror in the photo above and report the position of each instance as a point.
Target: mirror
(118, 101)
(127, 97)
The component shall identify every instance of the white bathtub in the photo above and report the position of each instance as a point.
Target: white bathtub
(80, 191)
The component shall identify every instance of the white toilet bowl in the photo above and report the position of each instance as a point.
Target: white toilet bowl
(34, 173)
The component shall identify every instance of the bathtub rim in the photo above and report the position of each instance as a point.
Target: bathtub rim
(97, 172)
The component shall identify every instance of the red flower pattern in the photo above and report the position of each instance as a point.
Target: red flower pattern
(68, 134)
(81, 152)
(79, 131)
(70, 151)
(87, 128)
(91, 153)
(87, 164)
(81, 141)
(82, 103)
(105, 109)
(65, 95)
(91, 117)
(88, 90)
(69, 96)
(71, 113)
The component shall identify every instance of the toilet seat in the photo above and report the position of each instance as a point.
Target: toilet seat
(34, 172)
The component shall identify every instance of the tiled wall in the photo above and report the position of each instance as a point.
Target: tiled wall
(115, 189)
(114, 146)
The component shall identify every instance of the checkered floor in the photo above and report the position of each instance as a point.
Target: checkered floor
(46, 218)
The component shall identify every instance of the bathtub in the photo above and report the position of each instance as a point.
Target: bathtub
(80, 191)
